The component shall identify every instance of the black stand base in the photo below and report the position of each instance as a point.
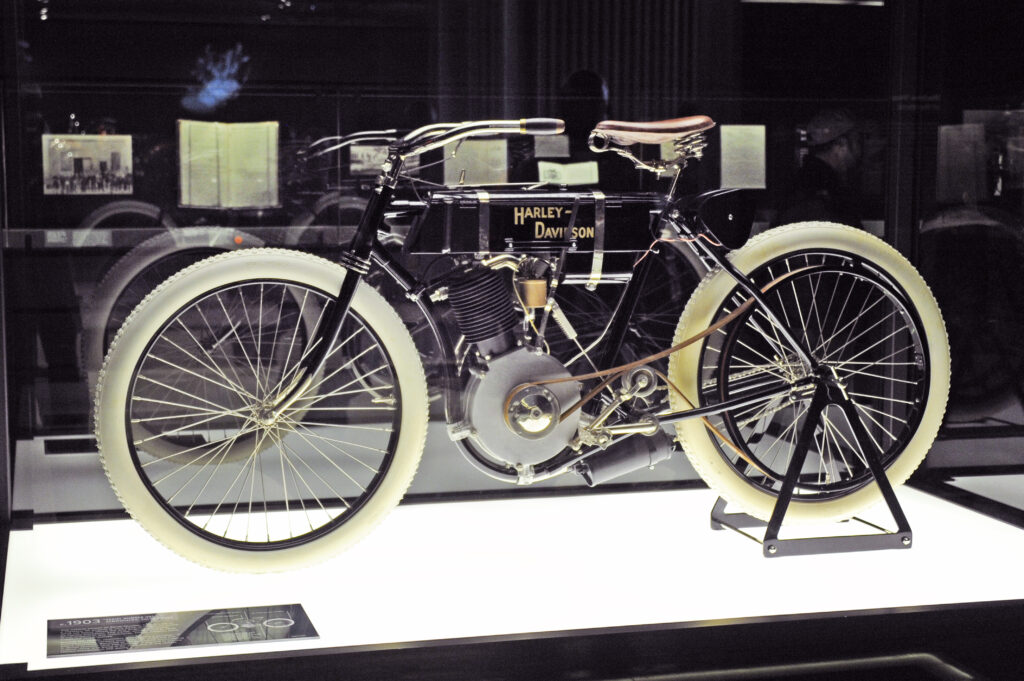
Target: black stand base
(773, 547)
(902, 538)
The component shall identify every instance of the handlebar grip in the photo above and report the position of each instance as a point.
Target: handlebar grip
(542, 126)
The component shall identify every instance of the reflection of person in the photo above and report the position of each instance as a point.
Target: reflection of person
(583, 103)
(826, 182)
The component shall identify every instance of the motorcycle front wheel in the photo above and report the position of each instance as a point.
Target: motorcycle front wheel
(199, 364)
(876, 333)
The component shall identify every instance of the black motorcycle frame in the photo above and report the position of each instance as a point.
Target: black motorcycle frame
(682, 216)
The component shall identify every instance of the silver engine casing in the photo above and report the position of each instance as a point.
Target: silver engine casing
(485, 403)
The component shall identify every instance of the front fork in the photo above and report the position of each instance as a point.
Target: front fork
(357, 262)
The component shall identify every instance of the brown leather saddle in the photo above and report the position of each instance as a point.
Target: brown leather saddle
(653, 132)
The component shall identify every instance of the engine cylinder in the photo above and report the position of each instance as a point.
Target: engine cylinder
(484, 312)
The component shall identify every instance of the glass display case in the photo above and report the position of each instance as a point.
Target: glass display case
(140, 139)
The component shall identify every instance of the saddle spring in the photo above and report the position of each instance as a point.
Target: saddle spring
(689, 146)
(686, 147)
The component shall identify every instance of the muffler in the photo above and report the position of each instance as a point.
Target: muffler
(624, 457)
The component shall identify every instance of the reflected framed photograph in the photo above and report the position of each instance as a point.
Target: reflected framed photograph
(87, 164)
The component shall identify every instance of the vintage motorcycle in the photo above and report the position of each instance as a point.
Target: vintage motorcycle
(264, 409)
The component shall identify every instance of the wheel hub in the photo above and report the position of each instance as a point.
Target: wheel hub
(532, 412)
(264, 416)
(521, 426)
(827, 378)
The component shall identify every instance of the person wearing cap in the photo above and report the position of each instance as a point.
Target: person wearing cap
(825, 184)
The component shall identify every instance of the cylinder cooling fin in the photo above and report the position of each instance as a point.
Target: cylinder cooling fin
(482, 302)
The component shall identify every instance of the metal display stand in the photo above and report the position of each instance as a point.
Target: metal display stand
(772, 546)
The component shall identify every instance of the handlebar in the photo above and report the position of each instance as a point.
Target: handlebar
(428, 131)
(346, 140)
(439, 134)
(542, 126)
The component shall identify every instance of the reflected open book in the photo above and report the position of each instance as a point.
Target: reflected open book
(228, 165)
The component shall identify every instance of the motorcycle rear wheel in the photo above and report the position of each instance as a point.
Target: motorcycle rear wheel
(864, 312)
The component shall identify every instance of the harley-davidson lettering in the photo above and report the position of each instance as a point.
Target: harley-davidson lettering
(521, 215)
(542, 230)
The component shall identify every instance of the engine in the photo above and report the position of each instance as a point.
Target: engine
(484, 312)
(515, 392)
(513, 338)
(520, 425)
(510, 421)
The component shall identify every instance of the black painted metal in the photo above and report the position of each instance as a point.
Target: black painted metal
(773, 546)
(362, 247)
(728, 405)
(619, 323)
(718, 256)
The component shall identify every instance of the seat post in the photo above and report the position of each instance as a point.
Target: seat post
(675, 183)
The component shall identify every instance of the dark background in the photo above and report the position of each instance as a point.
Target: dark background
(321, 68)
(337, 66)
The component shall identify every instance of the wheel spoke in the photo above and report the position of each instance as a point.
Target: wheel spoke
(333, 444)
(337, 495)
(189, 426)
(285, 377)
(201, 377)
(260, 438)
(849, 342)
(823, 347)
(891, 379)
(875, 421)
(211, 365)
(219, 345)
(331, 461)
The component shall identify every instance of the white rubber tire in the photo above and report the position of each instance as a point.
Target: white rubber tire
(696, 439)
(147, 319)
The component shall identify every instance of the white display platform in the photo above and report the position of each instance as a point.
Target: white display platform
(499, 568)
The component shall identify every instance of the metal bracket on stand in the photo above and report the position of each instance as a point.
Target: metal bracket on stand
(773, 547)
